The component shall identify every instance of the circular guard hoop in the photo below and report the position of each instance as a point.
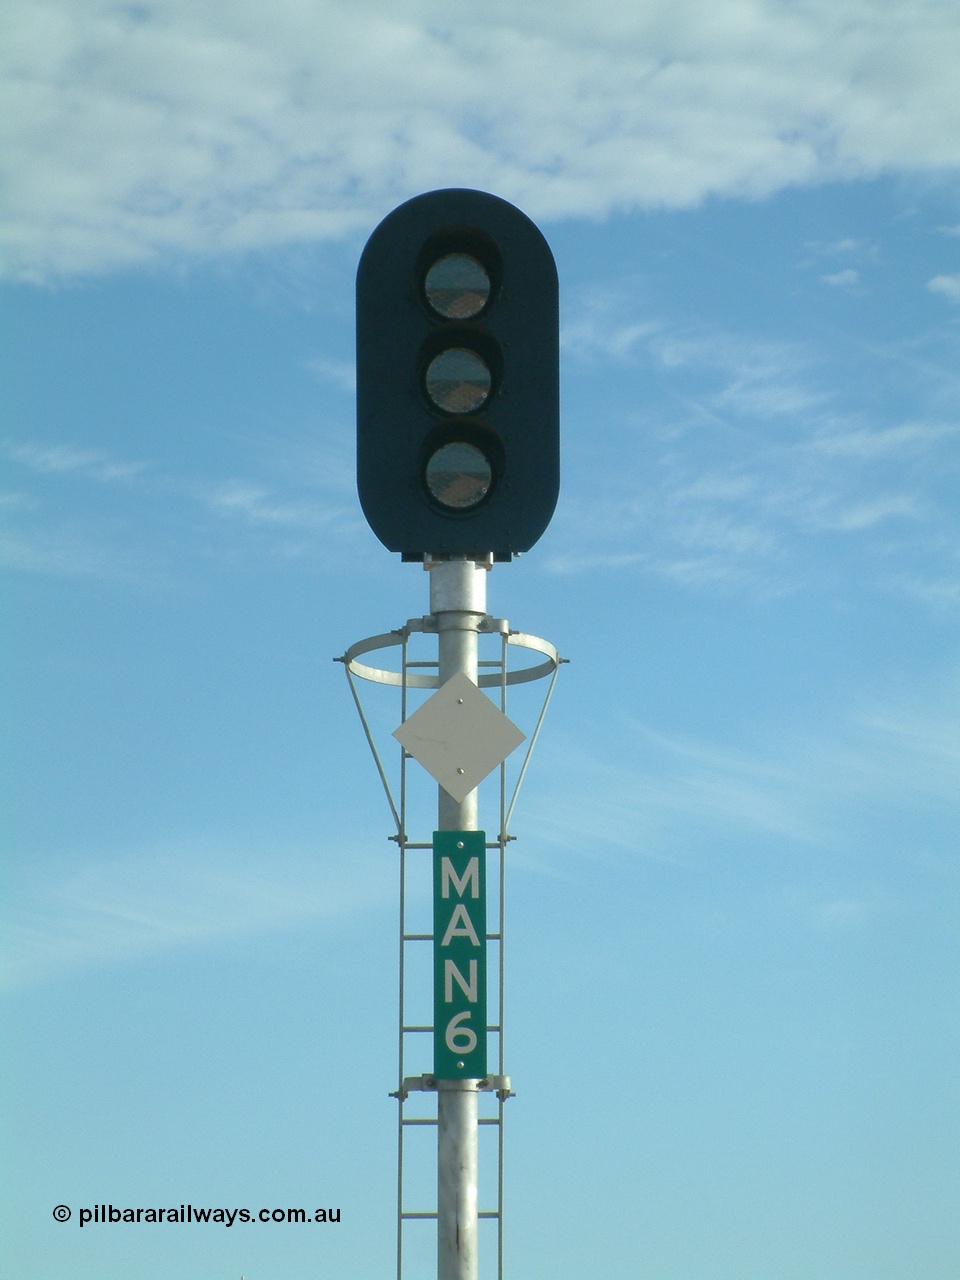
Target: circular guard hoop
(416, 680)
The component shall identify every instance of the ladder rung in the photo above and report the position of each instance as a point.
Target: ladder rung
(428, 937)
(423, 844)
(494, 1027)
(484, 1213)
(433, 1120)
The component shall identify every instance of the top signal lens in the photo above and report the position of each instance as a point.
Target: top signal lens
(457, 287)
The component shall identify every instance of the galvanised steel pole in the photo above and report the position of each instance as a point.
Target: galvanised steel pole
(458, 601)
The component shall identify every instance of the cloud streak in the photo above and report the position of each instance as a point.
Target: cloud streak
(305, 511)
(145, 133)
(62, 459)
(674, 798)
(947, 286)
(122, 909)
(758, 463)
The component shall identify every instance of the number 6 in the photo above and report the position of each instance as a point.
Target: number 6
(460, 1039)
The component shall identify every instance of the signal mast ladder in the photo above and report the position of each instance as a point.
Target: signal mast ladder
(494, 673)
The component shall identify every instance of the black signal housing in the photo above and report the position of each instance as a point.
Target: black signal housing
(457, 344)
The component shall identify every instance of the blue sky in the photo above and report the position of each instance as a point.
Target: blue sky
(733, 971)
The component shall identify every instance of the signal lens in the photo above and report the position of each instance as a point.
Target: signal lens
(458, 476)
(458, 381)
(457, 287)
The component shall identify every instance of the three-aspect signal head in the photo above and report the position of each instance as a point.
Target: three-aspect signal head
(458, 421)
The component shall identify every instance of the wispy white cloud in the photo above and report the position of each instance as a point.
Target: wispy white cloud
(936, 593)
(919, 751)
(850, 247)
(120, 909)
(852, 516)
(842, 279)
(948, 286)
(67, 459)
(756, 375)
(676, 797)
(844, 912)
(258, 505)
(65, 549)
(847, 245)
(754, 456)
(16, 501)
(846, 440)
(136, 134)
(41, 536)
(662, 793)
(305, 509)
(341, 373)
(599, 331)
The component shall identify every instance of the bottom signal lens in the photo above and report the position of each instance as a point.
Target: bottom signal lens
(458, 476)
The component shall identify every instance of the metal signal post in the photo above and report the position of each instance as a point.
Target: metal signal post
(458, 735)
(458, 467)
(458, 602)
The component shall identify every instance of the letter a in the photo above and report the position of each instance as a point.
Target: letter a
(464, 929)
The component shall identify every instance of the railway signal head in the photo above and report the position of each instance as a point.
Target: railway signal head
(458, 449)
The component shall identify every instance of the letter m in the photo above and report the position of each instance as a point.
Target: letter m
(471, 876)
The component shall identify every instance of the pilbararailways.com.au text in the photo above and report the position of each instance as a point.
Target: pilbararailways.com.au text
(106, 1214)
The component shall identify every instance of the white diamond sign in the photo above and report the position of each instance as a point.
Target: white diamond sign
(459, 736)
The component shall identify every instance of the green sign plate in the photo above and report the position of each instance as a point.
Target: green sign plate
(459, 955)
